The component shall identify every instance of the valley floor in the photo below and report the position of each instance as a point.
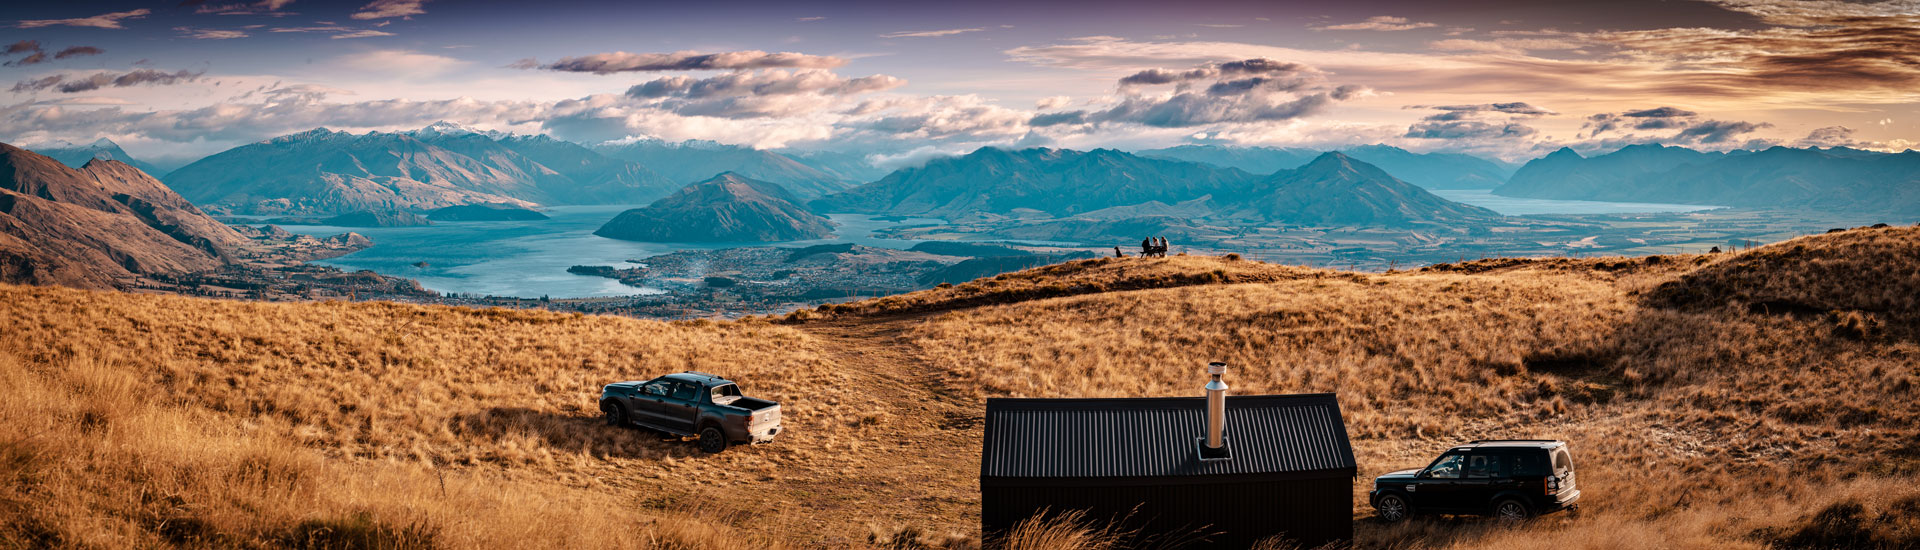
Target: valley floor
(1735, 400)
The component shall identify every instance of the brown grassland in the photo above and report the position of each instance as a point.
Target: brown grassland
(1751, 400)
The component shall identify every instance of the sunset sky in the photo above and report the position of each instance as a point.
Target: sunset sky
(1510, 79)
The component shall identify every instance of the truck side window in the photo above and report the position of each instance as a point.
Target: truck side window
(1448, 467)
(656, 388)
(684, 391)
(1529, 464)
(1485, 466)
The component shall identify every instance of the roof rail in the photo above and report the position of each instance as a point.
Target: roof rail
(698, 373)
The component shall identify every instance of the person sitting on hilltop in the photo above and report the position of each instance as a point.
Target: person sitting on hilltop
(1117, 253)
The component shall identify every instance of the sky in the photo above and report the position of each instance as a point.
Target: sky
(1506, 79)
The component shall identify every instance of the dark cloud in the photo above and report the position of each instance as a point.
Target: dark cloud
(1056, 119)
(618, 62)
(762, 84)
(1468, 129)
(1514, 108)
(23, 46)
(262, 7)
(77, 51)
(1821, 51)
(1717, 131)
(1658, 118)
(37, 57)
(1193, 109)
(96, 81)
(1659, 112)
(1831, 136)
(1273, 70)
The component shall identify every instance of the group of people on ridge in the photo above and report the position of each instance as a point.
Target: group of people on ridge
(1150, 247)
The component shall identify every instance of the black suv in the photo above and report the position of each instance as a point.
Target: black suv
(1507, 479)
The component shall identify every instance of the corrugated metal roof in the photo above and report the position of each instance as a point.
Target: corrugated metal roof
(1151, 437)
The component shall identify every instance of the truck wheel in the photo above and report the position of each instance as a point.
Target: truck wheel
(1392, 508)
(616, 415)
(1511, 510)
(712, 440)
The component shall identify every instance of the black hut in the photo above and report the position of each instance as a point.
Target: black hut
(1282, 466)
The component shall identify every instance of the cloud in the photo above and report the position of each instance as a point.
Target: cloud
(939, 119)
(77, 51)
(1219, 25)
(1468, 129)
(383, 9)
(406, 62)
(1831, 136)
(23, 46)
(262, 7)
(1380, 23)
(1240, 91)
(1053, 102)
(1658, 118)
(362, 33)
(1267, 68)
(137, 77)
(929, 34)
(1512, 46)
(102, 21)
(1462, 112)
(618, 62)
(1717, 131)
(743, 94)
(210, 34)
(810, 19)
(31, 59)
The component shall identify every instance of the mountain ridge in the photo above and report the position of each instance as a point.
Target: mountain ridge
(728, 207)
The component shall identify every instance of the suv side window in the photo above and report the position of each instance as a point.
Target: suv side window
(1448, 467)
(684, 391)
(1529, 464)
(657, 389)
(1486, 466)
(1562, 462)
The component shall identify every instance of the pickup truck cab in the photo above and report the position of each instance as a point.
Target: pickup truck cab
(1506, 479)
(692, 404)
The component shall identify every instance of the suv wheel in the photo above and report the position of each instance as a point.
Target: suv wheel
(1393, 508)
(1511, 510)
(712, 440)
(616, 415)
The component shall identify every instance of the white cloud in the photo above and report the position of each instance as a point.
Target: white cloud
(1380, 23)
(382, 9)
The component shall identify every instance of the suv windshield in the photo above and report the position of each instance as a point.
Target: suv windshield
(1448, 467)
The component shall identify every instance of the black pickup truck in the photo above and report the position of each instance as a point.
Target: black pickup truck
(692, 404)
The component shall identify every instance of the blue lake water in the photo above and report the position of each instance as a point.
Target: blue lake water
(1515, 206)
(529, 259)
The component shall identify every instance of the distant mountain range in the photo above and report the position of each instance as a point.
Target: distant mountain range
(325, 172)
(76, 156)
(725, 208)
(1429, 170)
(1104, 184)
(692, 161)
(99, 225)
(1838, 179)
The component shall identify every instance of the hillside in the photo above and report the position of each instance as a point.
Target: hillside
(1429, 170)
(1697, 420)
(1834, 179)
(99, 225)
(1336, 190)
(727, 208)
(1060, 182)
(321, 172)
(694, 161)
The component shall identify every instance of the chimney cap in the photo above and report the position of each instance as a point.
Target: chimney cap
(1216, 367)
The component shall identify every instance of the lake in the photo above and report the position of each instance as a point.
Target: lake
(1515, 206)
(529, 259)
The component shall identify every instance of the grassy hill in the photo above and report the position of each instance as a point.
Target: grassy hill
(1745, 400)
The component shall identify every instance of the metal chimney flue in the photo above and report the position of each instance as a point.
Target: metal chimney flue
(1215, 445)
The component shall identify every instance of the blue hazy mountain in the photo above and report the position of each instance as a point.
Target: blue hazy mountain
(1429, 170)
(694, 161)
(1838, 179)
(849, 168)
(325, 172)
(76, 156)
(1332, 189)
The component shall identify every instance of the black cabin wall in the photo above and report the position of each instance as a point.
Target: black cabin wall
(1310, 511)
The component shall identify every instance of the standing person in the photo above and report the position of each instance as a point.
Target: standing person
(1146, 247)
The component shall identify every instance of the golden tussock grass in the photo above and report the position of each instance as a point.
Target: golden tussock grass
(1740, 400)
